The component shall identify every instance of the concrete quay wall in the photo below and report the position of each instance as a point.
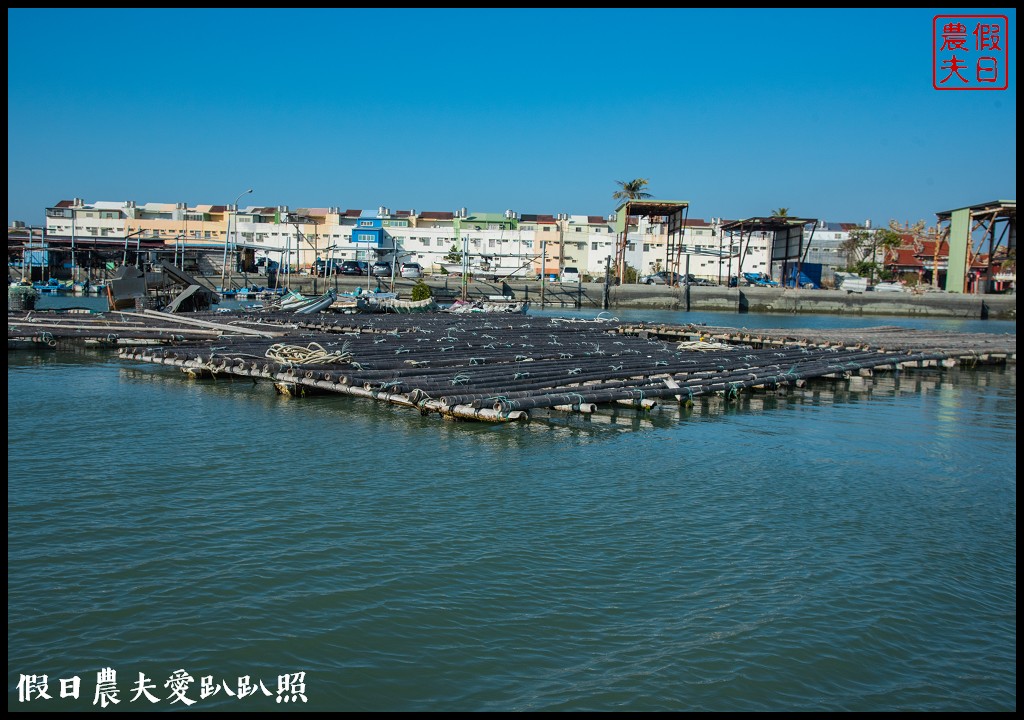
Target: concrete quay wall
(697, 297)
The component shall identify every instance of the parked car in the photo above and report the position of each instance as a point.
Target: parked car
(355, 267)
(666, 277)
(571, 275)
(660, 278)
(381, 269)
(412, 270)
(327, 267)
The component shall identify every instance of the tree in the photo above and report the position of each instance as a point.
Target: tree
(781, 212)
(630, 275)
(454, 254)
(889, 241)
(421, 291)
(631, 190)
(862, 245)
(853, 247)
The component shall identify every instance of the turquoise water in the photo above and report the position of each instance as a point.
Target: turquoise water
(850, 546)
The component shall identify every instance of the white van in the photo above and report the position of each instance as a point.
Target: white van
(570, 275)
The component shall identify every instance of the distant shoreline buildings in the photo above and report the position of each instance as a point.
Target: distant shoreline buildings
(506, 244)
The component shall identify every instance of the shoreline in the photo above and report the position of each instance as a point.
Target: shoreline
(696, 297)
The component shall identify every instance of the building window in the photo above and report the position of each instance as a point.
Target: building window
(593, 246)
(366, 223)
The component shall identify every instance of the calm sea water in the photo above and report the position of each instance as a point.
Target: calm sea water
(848, 547)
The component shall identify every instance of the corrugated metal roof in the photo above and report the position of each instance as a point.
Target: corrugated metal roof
(430, 215)
(65, 203)
(773, 223)
(653, 207)
(352, 213)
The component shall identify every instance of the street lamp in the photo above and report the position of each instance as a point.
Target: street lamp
(227, 237)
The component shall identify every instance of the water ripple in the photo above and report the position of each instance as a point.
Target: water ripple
(827, 551)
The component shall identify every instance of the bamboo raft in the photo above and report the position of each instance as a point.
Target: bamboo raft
(967, 348)
(500, 368)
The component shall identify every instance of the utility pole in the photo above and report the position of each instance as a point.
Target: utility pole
(543, 269)
(607, 282)
(687, 282)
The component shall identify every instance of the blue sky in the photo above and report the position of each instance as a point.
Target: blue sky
(829, 113)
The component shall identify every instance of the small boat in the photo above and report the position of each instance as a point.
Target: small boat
(488, 306)
(53, 286)
(300, 304)
(316, 304)
(389, 303)
(292, 299)
(257, 292)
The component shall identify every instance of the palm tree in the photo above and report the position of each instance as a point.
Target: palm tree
(631, 189)
(781, 212)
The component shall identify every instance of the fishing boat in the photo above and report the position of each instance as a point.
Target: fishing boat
(490, 305)
(296, 302)
(53, 286)
(257, 292)
(316, 304)
(291, 298)
(382, 303)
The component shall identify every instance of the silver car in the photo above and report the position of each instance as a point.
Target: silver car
(412, 270)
